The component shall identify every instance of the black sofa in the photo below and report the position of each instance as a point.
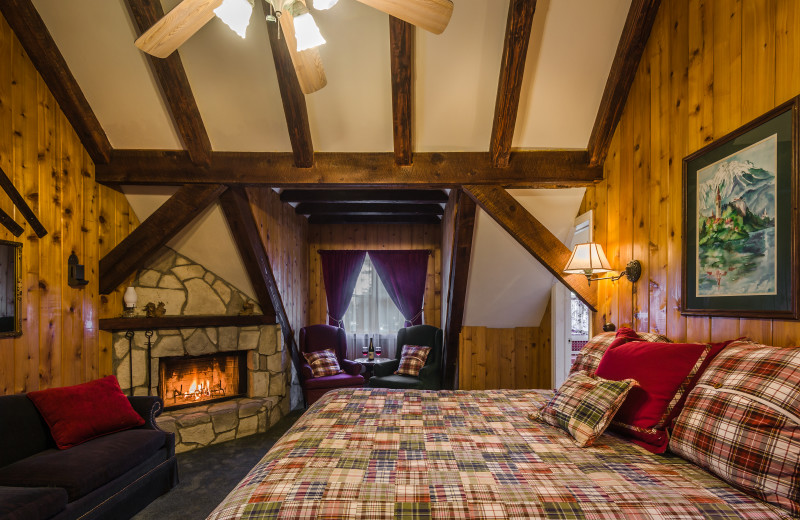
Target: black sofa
(110, 477)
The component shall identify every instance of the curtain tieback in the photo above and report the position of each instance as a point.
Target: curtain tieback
(413, 318)
(339, 323)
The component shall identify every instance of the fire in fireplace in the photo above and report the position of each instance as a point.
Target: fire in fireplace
(191, 380)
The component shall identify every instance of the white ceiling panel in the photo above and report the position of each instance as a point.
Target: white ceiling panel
(507, 287)
(96, 39)
(572, 46)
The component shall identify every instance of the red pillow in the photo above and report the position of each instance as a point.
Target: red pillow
(664, 371)
(76, 414)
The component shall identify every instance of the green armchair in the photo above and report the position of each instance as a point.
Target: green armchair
(430, 377)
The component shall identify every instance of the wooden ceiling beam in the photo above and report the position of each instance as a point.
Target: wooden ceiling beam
(244, 228)
(541, 168)
(32, 33)
(366, 196)
(374, 219)
(512, 70)
(456, 297)
(401, 44)
(635, 33)
(19, 201)
(534, 237)
(175, 87)
(345, 208)
(294, 101)
(154, 233)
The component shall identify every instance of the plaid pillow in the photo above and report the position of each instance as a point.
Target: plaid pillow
(589, 357)
(742, 422)
(412, 360)
(584, 406)
(323, 363)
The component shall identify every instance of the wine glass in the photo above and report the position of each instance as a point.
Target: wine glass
(364, 350)
(378, 349)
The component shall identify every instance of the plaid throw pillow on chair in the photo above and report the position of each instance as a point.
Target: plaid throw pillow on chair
(412, 360)
(323, 363)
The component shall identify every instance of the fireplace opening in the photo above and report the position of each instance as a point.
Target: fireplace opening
(191, 380)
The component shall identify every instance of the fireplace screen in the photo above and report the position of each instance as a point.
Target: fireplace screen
(190, 380)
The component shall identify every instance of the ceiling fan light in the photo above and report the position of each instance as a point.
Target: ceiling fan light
(235, 14)
(322, 5)
(307, 32)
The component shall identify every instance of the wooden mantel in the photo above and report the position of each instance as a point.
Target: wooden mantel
(179, 322)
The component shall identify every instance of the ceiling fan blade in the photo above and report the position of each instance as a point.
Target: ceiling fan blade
(431, 15)
(307, 63)
(177, 26)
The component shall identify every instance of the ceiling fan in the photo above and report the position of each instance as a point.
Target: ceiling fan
(302, 34)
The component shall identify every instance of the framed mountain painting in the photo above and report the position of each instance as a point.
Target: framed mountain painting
(740, 231)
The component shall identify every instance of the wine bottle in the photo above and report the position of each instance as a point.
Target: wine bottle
(371, 350)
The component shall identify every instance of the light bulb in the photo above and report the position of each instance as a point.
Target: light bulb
(324, 4)
(307, 32)
(235, 14)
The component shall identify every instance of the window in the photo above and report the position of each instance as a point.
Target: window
(371, 310)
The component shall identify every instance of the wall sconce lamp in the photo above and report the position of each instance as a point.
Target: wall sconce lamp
(129, 299)
(589, 258)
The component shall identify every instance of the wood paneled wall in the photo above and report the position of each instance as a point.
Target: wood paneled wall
(286, 236)
(40, 152)
(708, 68)
(374, 236)
(505, 358)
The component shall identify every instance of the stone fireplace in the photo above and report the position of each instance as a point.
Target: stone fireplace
(241, 375)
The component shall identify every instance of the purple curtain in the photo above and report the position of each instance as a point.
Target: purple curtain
(403, 274)
(340, 271)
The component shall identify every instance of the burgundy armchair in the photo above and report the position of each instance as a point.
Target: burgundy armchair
(321, 337)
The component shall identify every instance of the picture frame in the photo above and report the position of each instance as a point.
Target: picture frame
(740, 221)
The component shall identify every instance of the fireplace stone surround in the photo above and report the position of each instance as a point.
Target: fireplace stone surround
(189, 289)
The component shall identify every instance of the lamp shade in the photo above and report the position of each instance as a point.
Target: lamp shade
(236, 15)
(586, 259)
(130, 297)
(324, 4)
(307, 32)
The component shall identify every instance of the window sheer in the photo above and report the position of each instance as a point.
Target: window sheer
(371, 313)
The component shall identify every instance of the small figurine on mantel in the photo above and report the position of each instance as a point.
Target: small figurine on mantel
(153, 311)
(248, 308)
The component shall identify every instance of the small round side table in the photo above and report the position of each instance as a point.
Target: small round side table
(369, 365)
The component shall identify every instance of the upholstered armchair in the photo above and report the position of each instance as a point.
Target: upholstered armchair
(430, 377)
(321, 337)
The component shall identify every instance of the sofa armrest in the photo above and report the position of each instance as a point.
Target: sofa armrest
(351, 367)
(149, 407)
(306, 371)
(385, 369)
(430, 376)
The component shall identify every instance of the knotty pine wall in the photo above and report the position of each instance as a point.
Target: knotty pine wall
(505, 358)
(708, 68)
(374, 236)
(41, 153)
(286, 236)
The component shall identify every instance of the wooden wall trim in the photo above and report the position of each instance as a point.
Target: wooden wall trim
(460, 255)
(512, 71)
(174, 86)
(531, 169)
(32, 33)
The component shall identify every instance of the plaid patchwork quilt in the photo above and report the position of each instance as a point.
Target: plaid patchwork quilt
(375, 453)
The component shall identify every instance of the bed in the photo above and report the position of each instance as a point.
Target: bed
(377, 453)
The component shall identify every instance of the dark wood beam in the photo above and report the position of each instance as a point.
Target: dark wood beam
(10, 224)
(401, 44)
(374, 219)
(236, 207)
(138, 247)
(635, 34)
(534, 237)
(294, 101)
(512, 70)
(334, 208)
(175, 87)
(32, 33)
(542, 168)
(22, 206)
(366, 196)
(461, 253)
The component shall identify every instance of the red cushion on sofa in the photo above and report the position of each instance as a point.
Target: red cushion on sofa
(664, 371)
(76, 414)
